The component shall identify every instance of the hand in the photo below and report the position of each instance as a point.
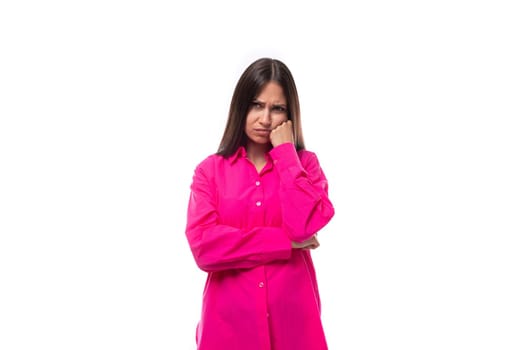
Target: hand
(311, 243)
(282, 134)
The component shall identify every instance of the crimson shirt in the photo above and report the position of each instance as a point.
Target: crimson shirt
(260, 293)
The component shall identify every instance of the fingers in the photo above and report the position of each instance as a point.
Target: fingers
(282, 133)
(315, 243)
(311, 243)
(312, 246)
(283, 124)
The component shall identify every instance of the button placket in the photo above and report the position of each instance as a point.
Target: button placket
(259, 193)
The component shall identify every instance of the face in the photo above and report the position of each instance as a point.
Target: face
(267, 111)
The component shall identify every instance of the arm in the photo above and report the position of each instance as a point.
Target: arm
(219, 247)
(306, 208)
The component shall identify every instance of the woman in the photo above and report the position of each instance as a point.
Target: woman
(254, 212)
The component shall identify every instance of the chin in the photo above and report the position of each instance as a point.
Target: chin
(260, 140)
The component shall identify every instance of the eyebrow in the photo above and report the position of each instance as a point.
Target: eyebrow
(264, 103)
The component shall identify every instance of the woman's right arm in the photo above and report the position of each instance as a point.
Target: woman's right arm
(218, 247)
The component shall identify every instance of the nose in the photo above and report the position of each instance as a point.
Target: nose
(266, 117)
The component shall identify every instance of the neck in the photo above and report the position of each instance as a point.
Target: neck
(257, 152)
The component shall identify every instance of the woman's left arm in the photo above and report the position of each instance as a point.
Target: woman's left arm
(305, 205)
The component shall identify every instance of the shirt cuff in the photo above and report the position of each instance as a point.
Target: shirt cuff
(285, 157)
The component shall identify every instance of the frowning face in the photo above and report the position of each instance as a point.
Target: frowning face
(267, 111)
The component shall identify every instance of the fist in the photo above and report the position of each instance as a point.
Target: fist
(282, 134)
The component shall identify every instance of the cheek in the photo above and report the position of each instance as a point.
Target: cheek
(247, 122)
(278, 120)
(250, 118)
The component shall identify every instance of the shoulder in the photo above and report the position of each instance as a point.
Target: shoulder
(210, 162)
(307, 156)
(305, 153)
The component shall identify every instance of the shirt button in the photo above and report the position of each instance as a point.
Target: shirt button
(257, 183)
(258, 203)
(261, 284)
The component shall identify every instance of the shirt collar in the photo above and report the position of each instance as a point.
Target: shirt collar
(240, 153)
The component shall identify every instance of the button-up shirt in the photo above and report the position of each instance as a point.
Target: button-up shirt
(260, 294)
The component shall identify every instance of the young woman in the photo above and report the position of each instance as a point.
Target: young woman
(254, 212)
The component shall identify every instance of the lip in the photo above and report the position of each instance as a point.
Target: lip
(262, 131)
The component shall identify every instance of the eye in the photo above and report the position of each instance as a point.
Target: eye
(279, 109)
(257, 105)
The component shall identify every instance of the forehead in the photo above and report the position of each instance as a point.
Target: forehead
(273, 92)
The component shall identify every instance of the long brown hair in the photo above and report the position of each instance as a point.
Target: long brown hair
(249, 86)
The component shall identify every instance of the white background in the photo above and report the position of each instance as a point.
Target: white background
(414, 108)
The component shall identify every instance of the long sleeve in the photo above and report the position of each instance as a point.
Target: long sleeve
(216, 246)
(305, 205)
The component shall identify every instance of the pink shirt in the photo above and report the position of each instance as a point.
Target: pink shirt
(260, 293)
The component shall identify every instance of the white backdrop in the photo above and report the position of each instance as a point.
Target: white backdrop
(415, 110)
